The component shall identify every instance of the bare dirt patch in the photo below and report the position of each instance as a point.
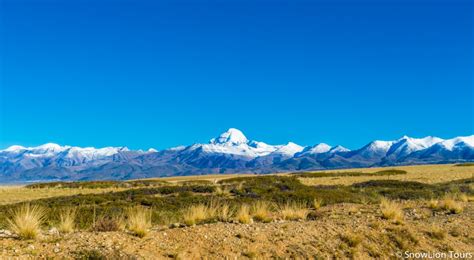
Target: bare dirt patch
(338, 231)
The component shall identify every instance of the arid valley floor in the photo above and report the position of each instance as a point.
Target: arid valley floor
(382, 213)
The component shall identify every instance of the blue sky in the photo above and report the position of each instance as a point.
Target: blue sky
(163, 73)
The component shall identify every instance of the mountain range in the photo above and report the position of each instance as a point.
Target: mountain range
(230, 152)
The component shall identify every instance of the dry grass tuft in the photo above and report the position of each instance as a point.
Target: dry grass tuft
(26, 221)
(262, 211)
(139, 221)
(352, 240)
(463, 197)
(451, 205)
(317, 203)
(391, 211)
(225, 212)
(436, 233)
(243, 214)
(294, 211)
(213, 210)
(195, 214)
(67, 218)
(222, 191)
(433, 204)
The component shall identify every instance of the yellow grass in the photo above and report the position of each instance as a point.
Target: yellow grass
(66, 220)
(139, 221)
(317, 203)
(261, 211)
(436, 232)
(451, 205)
(194, 214)
(433, 204)
(419, 173)
(209, 177)
(243, 214)
(463, 197)
(200, 212)
(222, 191)
(15, 194)
(225, 212)
(391, 211)
(26, 221)
(294, 211)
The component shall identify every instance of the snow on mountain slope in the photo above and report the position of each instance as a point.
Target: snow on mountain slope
(234, 142)
(316, 149)
(289, 149)
(338, 149)
(230, 152)
(463, 141)
(407, 145)
(230, 137)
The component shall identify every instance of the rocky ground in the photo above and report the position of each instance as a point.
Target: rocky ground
(338, 231)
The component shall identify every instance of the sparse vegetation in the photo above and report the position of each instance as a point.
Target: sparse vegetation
(139, 221)
(346, 174)
(67, 218)
(351, 239)
(108, 224)
(195, 214)
(451, 205)
(243, 214)
(403, 238)
(26, 220)
(433, 204)
(436, 232)
(464, 164)
(225, 212)
(260, 199)
(317, 203)
(261, 211)
(391, 211)
(294, 210)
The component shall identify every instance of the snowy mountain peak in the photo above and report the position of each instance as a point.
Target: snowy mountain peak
(289, 149)
(15, 148)
(232, 136)
(450, 144)
(338, 148)
(380, 145)
(50, 147)
(319, 148)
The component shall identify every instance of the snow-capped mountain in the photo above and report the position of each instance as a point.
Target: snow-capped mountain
(230, 152)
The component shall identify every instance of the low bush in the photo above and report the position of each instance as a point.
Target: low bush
(387, 172)
(464, 164)
(108, 224)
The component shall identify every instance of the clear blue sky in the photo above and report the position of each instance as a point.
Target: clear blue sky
(163, 73)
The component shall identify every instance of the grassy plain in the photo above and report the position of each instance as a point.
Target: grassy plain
(353, 213)
(429, 174)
